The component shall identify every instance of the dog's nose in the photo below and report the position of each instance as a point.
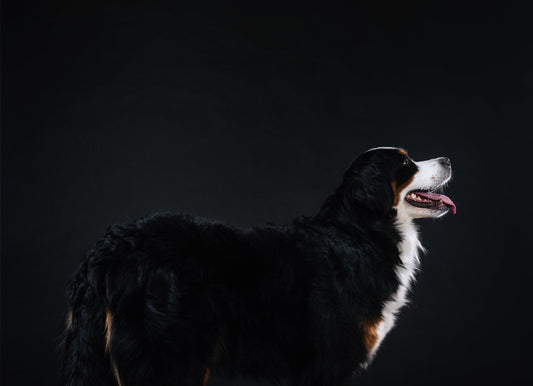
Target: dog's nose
(445, 161)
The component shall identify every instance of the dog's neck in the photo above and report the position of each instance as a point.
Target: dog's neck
(410, 246)
(409, 249)
(338, 210)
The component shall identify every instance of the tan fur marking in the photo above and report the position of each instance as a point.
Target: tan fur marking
(370, 332)
(107, 330)
(108, 325)
(68, 320)
(115, 373)
(402, 152)
(206, 376)
(397, 190)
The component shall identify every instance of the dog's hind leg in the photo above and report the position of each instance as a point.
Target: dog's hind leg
(144, 352)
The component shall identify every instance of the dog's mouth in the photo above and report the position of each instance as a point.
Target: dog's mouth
(430, 200)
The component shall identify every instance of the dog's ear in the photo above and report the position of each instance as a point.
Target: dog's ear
(365, 190)
(368, 187)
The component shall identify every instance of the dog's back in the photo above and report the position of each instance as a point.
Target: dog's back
(172, 292)
(176, 292)
(171, 299)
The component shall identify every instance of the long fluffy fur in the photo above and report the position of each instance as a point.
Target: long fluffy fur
(171, 298)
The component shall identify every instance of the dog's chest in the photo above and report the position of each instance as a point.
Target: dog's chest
(409, 249)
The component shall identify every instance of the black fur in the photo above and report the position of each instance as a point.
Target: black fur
(284, 303)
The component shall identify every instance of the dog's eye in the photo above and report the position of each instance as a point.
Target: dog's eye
(405, 162)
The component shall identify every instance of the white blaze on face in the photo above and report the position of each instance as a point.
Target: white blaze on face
(431, 175)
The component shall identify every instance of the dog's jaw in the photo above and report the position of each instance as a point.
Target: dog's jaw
(431, 175)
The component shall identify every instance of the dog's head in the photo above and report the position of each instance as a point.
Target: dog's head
(382, 180)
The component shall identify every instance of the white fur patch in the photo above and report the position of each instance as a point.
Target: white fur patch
(409, 248)
(430, 174)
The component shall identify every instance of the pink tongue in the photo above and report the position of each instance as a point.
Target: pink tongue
(437, 197)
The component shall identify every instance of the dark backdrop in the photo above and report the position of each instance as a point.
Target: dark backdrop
(250, 114)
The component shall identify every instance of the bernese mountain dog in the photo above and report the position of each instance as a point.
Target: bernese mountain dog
(171, 299)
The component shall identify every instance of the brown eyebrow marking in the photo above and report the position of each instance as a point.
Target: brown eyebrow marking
(402, 152)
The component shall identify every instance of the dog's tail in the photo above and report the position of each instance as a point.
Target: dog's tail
(84, 361)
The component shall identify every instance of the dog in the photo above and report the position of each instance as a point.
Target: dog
(171, 299)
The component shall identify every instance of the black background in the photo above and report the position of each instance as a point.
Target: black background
(250, 114)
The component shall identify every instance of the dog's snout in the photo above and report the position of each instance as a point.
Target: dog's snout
(445, 161)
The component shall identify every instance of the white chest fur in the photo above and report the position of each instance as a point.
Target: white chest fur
(409, 249)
